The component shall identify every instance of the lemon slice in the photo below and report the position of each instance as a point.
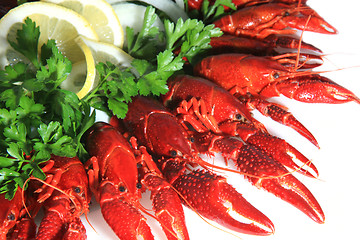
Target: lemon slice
(56, 22)
(100, 15)
(94, 52)
(104, 52)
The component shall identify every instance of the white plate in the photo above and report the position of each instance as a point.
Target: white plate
(336, 127)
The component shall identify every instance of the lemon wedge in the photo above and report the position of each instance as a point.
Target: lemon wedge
(55, 22)
(101, 17)
(94, 52)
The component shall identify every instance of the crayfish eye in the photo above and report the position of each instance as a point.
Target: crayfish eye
(276, 75)
(286, 14)
(192, 139)
(238, 116)
(11, 217)
(173, 153)
(77, 189)
(138, 185)
(122, 189)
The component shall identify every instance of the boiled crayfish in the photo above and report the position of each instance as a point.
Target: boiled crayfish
(65, 198)
(117, 178)
(64, 195)
(176, 154)
(15, 221)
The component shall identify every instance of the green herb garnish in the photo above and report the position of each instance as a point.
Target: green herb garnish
(37, 117)
(209, 13)
(155, 62)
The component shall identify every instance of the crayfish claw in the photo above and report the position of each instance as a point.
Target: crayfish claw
(212, 197)
(76, 230)
(315, 88)
(284, 153)
(291, 190)
(279, 114)
(268, 174)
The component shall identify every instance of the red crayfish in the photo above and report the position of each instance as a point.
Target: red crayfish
(253, 79)
(118, 175)
(65, 198)
(15, 221)
(176, 155)
(178, 149)
(64, 195)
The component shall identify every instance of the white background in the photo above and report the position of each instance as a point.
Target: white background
(336, 127)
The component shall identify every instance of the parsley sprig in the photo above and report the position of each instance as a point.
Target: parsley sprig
(37, 117)
(211, 12)
(155, 61)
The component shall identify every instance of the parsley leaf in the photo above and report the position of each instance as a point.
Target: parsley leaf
(37, 118)
(209, 13)
(27, 41)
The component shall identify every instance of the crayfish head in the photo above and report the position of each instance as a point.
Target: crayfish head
(74, 182)
(9, 213)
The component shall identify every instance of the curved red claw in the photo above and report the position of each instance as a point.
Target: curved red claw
(266, 173)
(222, 204)
(311, 89)
(263, 171)
(278, 113)
(275, 147)
(283, 152)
